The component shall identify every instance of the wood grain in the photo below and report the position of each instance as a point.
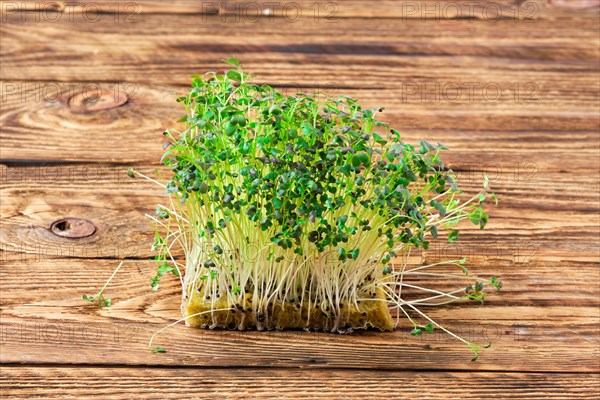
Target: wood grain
(123, 383)
(531, 122)
(171, 48)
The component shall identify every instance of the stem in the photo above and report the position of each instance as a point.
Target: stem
(109, 279)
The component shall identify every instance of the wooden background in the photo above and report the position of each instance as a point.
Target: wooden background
(511, 87)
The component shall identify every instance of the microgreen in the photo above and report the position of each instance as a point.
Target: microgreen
(157, 349)
(99, 297)
(296, 199)
(419, 329)
(160, 271)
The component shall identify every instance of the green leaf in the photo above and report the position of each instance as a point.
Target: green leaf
(378, 139)
(230, 128)
(161, 270)
(275, 110)
(429, 327)
(203, 188)
(434, 232)
(342, 220)
(234, 75)
(441, 209)
(495, 282)
(453, 235)
(475, 350)
(158, 349)
(232, 61)
(426, 146)
(164, 268)
(360, 158)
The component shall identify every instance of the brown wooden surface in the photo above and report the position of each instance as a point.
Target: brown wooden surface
(537, 139)
(116, 383)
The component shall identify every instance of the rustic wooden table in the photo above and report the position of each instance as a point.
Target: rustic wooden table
(511, 87)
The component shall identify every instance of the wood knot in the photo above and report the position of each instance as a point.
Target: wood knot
(94, 100)
(73, 228)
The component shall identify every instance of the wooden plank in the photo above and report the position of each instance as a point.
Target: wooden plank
(44, 320)
(478, 131)
(172, 47)
(532, 342)
(123, 383)
(254, 10)
(523, 278)
(533, 209)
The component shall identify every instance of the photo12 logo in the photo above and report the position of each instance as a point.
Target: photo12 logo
(516, 253)
(271, 11)
(64, 333)
(88, 95)
(70, 11)
(476, 172)
(444, 11)
(64, 173)
(469, 92)
(56, 253)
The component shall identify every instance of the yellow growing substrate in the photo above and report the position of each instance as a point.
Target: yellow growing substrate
(369, 314)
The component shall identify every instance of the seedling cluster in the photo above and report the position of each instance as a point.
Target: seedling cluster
(299, 212)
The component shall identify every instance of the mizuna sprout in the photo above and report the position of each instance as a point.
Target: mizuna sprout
(301, 212)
